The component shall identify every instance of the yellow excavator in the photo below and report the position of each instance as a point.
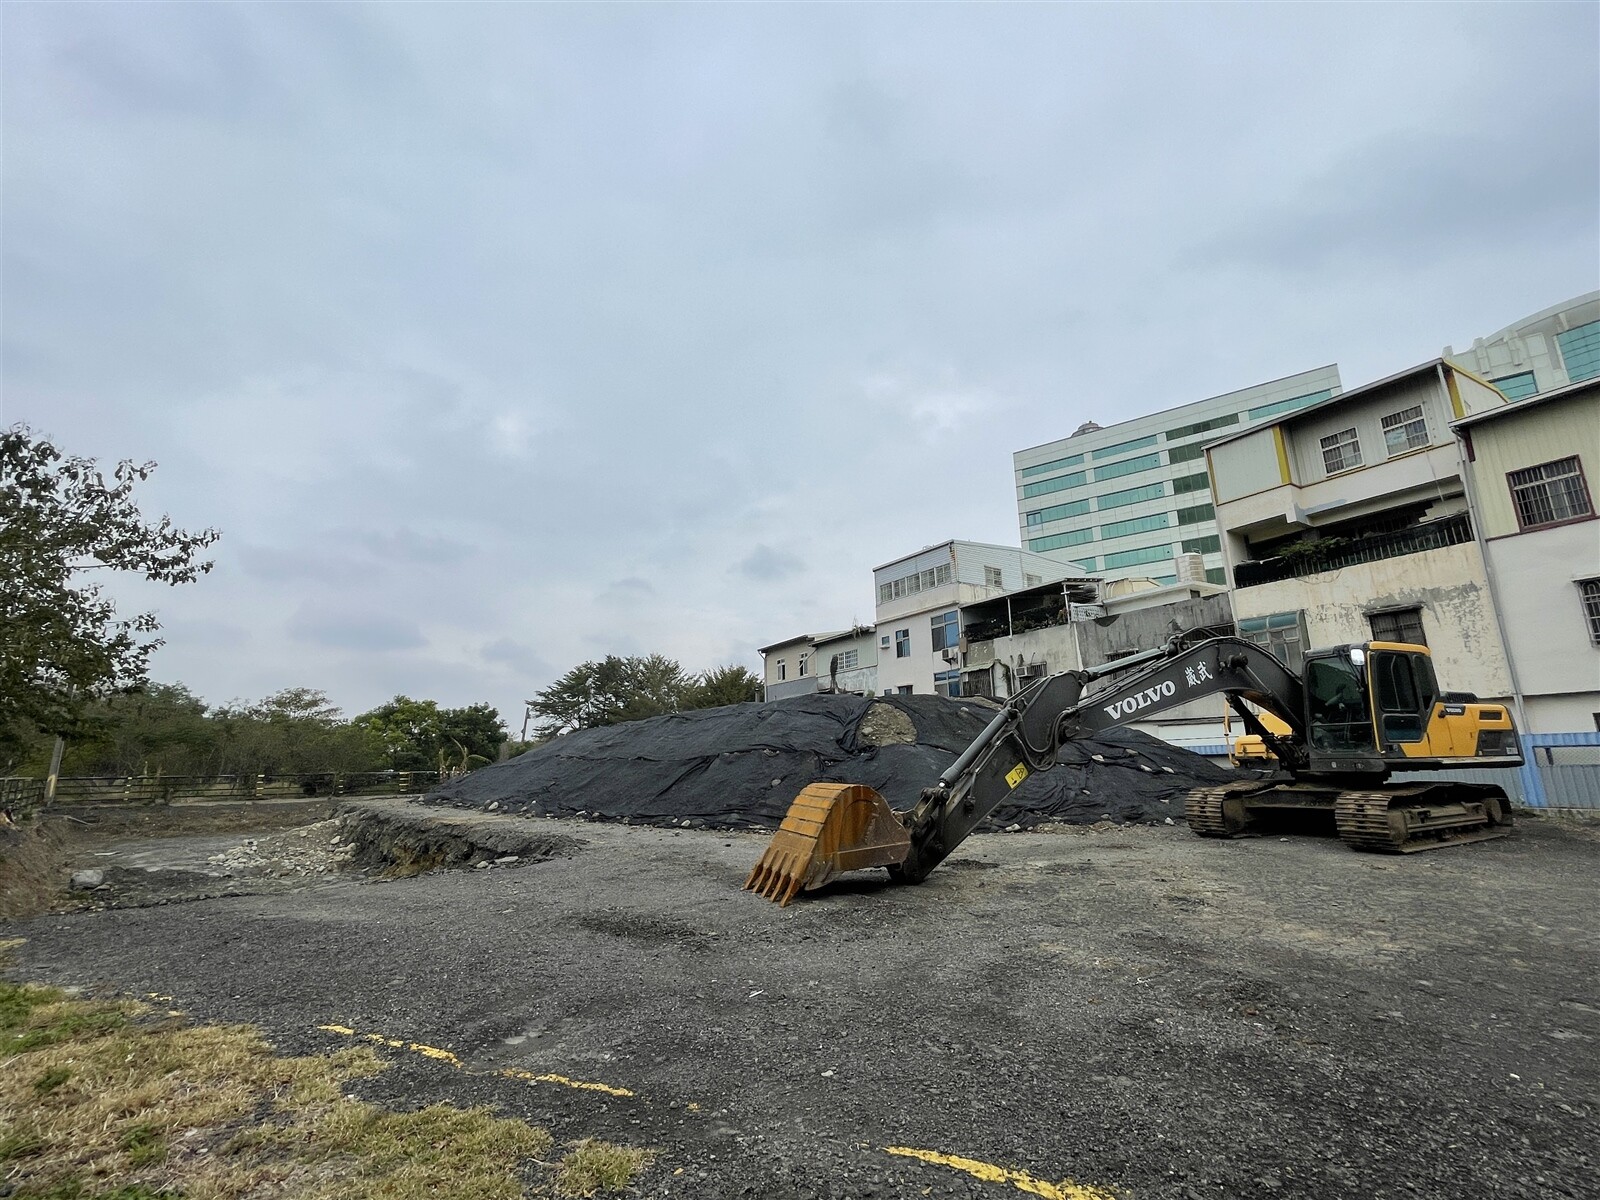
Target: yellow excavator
(1355, 717)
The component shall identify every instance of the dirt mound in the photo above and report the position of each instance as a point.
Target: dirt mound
(740, 766)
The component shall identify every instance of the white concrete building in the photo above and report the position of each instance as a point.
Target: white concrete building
(1130, 499)
(920, 597)
(1528, 466)
(1348, 521)
(1011, 640)
(786, 666)
(1548, 350)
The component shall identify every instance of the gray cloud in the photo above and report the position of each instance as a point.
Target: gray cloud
(631, 590)
(1418, 198)
(766, 565)
(375, 632)
(519, 658)
(484, 334)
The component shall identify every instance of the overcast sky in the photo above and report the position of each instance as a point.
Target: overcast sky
(496, 338)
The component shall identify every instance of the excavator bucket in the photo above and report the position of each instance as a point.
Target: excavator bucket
(830, 828)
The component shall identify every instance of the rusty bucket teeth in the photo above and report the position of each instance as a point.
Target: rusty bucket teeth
(830, 828)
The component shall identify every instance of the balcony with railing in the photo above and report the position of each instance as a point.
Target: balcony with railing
(1329, 554)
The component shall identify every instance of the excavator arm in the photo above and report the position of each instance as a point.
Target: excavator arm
(832, 828)
(1030, 730)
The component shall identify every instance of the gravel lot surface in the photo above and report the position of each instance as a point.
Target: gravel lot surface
(1136, 1011)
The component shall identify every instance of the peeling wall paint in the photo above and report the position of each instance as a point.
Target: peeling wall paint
(1448, 586)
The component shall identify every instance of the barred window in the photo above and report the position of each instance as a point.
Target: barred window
(1398, 625)
(1550, 493)
(992, 577)
(1405, 430)
(1341, 451)
(1589, 589)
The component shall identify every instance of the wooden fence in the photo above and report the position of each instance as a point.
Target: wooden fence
(21, 795)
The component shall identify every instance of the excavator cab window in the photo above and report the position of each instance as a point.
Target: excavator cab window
(1337, 714)
(1404, 688)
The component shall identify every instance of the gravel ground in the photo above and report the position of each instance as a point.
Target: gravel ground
(1134, 1010)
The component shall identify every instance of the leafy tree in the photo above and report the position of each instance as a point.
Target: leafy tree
(609, 692)
(295, 731)
(408, 731)
(419, 735)
(63, 644)
(724, 685)
(475, 730)
(161, 729)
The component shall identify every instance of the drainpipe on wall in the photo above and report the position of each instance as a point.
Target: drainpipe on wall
(1528, 773)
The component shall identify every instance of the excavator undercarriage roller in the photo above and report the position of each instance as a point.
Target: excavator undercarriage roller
(830, 828)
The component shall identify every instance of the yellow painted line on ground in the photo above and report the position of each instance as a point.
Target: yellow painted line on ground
(421, 1048)
(446, 1056)
(1021, 1180)
(584, 1085)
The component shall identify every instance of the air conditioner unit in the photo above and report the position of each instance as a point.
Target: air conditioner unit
(951, 656)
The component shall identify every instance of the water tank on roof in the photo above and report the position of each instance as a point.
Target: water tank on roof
(1128, 587)
(1086, 427)
(1191, 568)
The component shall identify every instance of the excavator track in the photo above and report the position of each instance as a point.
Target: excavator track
(1408, 819)
(1220, 811)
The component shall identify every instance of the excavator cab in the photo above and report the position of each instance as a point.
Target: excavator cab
(1338, 716)
(1377, 708)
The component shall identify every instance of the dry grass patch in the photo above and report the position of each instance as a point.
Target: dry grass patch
(594, 1167)
(111, 1101)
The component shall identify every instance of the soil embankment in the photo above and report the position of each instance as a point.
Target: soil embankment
(739, 767)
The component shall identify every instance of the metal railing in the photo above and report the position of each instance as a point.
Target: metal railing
(1417, 539)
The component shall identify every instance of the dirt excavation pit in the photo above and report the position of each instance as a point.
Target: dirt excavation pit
(395, 839)
(372, 839)
(740, 766)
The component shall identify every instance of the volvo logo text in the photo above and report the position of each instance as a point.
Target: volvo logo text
(1144, 699)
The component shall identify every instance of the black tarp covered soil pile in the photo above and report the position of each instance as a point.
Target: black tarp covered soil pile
(740, 766)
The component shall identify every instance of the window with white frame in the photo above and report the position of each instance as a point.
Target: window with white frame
(1281, 633)
(848, 660)
(804, 659)
(783, 669)
(947, 683)
(1341, 451)
(1031, 580)
(912, 584)
(946, 632)
(1550, 493)
(1405, 430)
(1589, 589)
(902, 643)
(992, 577)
